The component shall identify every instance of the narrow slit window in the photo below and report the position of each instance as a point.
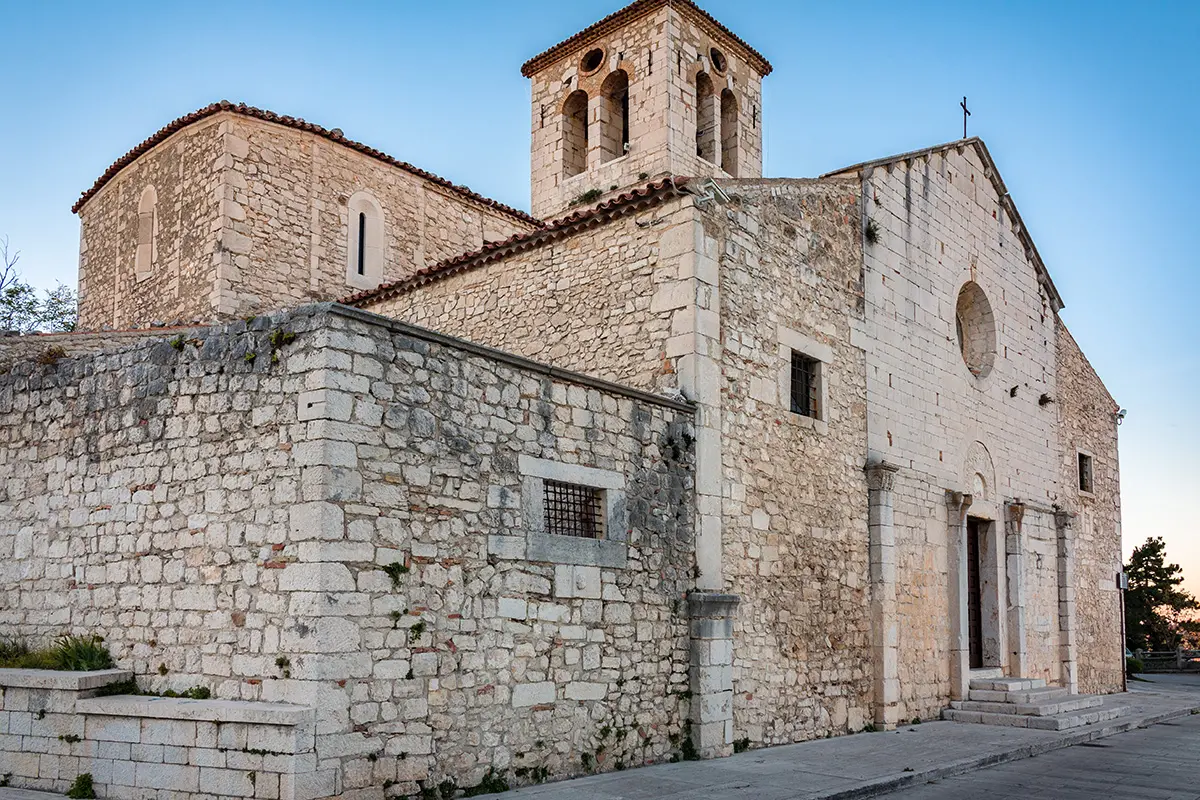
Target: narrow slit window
(706, 118)
(805, 394)
(574, 510)
(362, 243)
(1085, 472)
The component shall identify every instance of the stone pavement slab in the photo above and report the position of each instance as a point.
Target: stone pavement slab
(862, 765)
(8, 793)
(1149, 764)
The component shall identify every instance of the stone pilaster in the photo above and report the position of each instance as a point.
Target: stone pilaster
(885, 632)
(712, 672)
(694, 302)
(1064, 523)
(957, 506)
(1014, 549)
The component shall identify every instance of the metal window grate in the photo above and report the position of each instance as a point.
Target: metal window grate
(573, 510)
(804, 385)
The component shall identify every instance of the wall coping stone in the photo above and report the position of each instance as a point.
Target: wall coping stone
(61, 679)
(205, 710)
(501, 356)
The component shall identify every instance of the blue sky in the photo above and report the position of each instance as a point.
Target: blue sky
(1090, 109)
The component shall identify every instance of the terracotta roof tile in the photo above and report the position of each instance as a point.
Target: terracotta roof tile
(629, 201)
(631, 12)
(300, 125)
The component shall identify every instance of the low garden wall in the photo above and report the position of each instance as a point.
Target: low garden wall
(55, 734)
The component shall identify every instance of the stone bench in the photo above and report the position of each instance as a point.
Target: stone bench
(53, 728)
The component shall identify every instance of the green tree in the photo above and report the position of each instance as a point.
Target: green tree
(1156, 609)
(23, 309)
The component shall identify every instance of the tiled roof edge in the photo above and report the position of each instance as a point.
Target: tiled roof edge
(631, 12)
(298, 124)
(622, 203)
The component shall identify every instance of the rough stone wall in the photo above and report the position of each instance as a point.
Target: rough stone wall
(179, 284)
(940, 226)
(659, 52)
(287, 220)
(795, 497)
(253, 217)
(227, 521)
(598, 301)
(1087, 421)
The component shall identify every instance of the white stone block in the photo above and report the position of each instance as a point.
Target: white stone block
(579, 690)
(533, 694)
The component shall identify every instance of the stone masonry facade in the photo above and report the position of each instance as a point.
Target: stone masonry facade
(337, 523)
(692, 459)
(252, 214)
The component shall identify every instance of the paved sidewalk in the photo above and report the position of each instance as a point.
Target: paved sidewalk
(863, 765)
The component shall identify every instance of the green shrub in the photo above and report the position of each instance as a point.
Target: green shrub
(82, 653)
(1134, 665)
(82, 787)
(76, 653)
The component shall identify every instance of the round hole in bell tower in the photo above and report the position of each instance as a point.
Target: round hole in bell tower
(592, 60)
(719, 62)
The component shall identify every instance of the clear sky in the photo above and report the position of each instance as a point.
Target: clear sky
(1089, 108)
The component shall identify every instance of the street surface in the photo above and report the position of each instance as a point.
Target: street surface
(1155, 763)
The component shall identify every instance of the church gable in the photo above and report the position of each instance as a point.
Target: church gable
(969, 167)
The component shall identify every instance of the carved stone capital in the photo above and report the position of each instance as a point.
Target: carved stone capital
(958, 503)
(1063, 520)
(1016, 513)
(881, 476)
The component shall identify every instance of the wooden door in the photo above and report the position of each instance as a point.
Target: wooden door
(974, 593)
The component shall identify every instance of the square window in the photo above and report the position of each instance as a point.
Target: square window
(573, 510)
(805, 385)
(1085, 472)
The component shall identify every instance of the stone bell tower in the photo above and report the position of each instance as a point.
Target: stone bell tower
(659, 87)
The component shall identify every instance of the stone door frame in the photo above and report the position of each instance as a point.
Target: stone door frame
(993, 589)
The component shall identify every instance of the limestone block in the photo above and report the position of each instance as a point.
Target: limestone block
(316, 577)
(530, 694)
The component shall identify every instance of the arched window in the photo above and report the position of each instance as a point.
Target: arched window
(575, 133)
(729, 133)
(364, 241)
(706, 118)
(615, 130)
(147, 231)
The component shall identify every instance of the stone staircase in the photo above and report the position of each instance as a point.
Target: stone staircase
(1029, 703)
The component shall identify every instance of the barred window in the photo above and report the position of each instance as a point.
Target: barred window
(805, 385)
(574, 510)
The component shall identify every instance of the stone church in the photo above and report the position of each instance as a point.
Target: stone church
(427, 489)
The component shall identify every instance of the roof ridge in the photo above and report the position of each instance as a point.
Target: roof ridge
(334, 135)
(992, 173)
(518, 242)
(632, 11)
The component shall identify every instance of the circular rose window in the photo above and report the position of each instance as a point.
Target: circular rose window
(975, 326)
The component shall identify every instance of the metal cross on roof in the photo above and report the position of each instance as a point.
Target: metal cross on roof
(966, 114)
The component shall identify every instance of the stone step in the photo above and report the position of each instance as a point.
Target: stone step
(1007, 684)
(985, 673)
(1051, 708)
(1061, 722)
(1031, 696)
